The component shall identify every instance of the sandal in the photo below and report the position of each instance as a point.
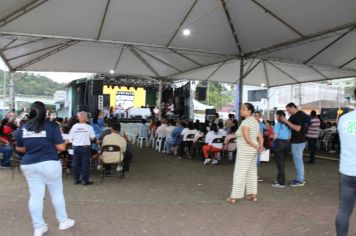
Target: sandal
(252, 198)
(231, 200)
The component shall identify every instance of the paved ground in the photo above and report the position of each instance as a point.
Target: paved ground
(166, 196)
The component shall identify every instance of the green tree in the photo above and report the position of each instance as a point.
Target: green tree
(218, 94)
(30, 84)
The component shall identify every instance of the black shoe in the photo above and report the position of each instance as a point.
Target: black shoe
(88, 183)
(77, 182)
(122, 175)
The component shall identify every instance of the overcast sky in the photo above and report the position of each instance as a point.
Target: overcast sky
(56, 76)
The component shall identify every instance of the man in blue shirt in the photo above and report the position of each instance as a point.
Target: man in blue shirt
(176, 138)
(347, 134)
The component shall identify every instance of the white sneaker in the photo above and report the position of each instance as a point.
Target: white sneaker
(214, 162)
(68, 223)
(207, 161)
(41, 231)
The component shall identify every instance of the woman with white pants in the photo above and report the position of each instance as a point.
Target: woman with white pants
(40, 140)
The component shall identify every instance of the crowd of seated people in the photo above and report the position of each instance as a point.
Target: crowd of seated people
(6, 149)
(188, 139)
(9, 127)
(184, 139)
(175, 140)
(11, 123)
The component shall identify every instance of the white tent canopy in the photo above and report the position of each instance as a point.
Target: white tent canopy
(279, 41)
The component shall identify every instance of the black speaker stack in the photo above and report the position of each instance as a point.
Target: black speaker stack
(96, 87)
(210, 114)
(201, 93)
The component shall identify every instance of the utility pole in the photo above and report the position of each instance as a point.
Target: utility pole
(11, 91)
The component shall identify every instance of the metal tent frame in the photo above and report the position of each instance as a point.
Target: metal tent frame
(245, 41)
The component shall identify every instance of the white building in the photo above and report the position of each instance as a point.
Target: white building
(23, 102)
(62, 103)
(279, 97)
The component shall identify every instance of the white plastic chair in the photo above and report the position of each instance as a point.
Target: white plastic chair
(158, 145)
(151, 141)
(140, 141)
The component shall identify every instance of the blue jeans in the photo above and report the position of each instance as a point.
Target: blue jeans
(81, 163)
(38, 176)
(346, 206)
(312, 148)
(297, 151)
(7, 152)
(168, 145)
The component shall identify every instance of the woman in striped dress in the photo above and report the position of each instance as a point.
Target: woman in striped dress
(249, 143)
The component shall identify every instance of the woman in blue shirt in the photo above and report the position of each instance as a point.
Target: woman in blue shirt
(280, 147)
(40, 140)
(97, 122)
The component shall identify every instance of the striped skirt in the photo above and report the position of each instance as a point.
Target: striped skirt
(245, 173)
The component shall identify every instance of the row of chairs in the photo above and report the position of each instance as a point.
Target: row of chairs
(156, 144)
(130, 130)
(326, 142)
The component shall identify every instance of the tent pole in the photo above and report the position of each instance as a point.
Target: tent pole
(241, 84)
(159, 102)
(300, 96)
(268, 98)
(207, 92)
(239, 91)
(237, 99)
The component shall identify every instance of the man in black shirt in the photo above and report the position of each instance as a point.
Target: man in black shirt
(297, 123)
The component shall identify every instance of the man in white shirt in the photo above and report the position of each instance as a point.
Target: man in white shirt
(161, 130)
(209, 146)
(347, 134)
(221, 130)
(81, 136)
(169, 129)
